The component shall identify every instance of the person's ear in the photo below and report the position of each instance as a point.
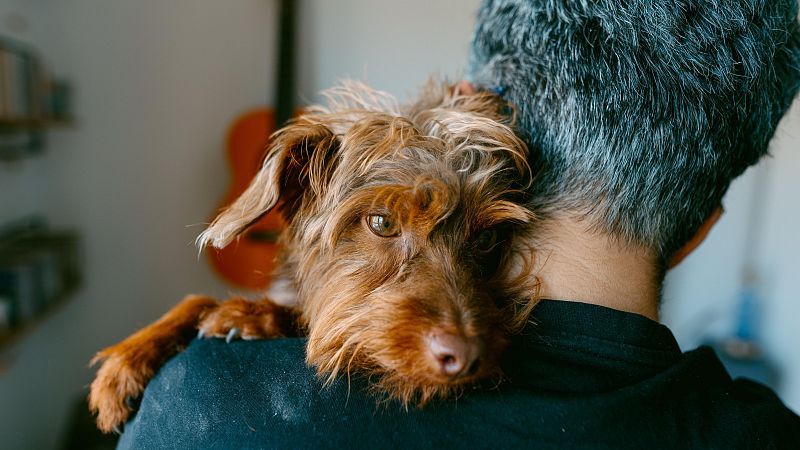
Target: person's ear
(464, 87)
(698, 237)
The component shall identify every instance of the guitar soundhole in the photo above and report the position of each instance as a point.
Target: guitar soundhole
(266, 236)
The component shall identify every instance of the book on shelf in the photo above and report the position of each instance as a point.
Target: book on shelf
(37, 267)
(17, 87)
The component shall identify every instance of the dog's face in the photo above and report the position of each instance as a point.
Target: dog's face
(400, 238)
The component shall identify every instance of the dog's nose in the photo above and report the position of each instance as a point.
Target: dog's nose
(455, 355)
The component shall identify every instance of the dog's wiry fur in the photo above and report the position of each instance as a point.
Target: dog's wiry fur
(449, 170)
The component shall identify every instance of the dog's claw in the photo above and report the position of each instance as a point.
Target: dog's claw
(201, 334)
(231, 335)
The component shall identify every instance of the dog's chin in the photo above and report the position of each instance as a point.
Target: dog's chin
(417, 381)
(443, 387)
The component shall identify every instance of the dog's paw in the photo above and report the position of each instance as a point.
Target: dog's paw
(240, 318)
(113, 392)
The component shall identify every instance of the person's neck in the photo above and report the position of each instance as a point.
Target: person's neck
(574, 263)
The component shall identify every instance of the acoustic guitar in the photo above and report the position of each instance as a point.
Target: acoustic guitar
(249, 261)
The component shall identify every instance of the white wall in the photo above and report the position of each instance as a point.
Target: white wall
(778, 258)
(393, 45)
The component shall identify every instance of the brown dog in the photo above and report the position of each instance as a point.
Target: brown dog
(399, 257)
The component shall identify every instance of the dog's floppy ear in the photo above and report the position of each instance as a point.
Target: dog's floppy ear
(296, 161)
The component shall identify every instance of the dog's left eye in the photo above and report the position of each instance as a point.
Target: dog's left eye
(486, 240)
(383, 226)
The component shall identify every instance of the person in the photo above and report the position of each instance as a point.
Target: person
(643, 113)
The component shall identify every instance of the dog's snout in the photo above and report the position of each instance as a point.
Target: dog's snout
(454, 355)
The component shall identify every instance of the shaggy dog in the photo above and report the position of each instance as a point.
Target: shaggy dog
(401, 252)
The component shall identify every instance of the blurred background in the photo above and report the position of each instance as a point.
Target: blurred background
(106, 179)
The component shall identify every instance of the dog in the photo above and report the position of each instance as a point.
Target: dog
(402, 255)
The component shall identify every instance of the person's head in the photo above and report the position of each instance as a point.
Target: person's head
(643, 112)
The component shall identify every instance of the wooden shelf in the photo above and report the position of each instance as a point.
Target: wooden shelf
(25, 123)
(39, 272)
(31, 101)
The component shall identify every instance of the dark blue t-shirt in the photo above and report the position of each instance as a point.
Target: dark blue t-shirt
(580, 376)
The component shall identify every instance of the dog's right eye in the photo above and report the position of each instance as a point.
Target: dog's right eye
(383, 226)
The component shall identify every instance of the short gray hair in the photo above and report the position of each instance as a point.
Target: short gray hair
(643, 112)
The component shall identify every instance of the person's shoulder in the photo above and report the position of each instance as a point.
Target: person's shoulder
(253, 356)
(739, 410)
(215, 392)
(218, 371)
(765, 410)
(262, 394)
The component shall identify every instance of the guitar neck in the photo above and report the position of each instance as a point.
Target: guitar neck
(285, 86)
